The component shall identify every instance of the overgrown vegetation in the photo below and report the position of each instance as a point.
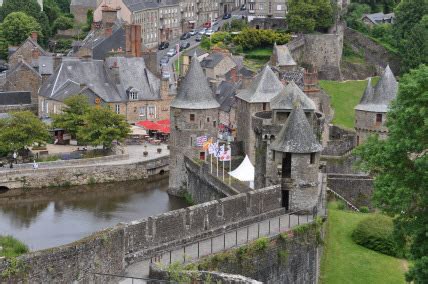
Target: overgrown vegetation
(310, 15)
(11, 247)
(346, 262)
(400, 166)
(375, 232)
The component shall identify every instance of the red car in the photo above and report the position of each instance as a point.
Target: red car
(207, 25)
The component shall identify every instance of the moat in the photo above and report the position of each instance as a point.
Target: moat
(64, 215)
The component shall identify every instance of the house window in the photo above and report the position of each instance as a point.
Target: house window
(47, 107)
(117, 109)
(152, 112)
(214, 123)
(378, 118)
(192, 117)
(208, 119)
(133, 95)
(312, 160)
(54, 108)
(142, 111)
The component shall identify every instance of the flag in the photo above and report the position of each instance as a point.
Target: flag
(207, 144)
(227, 155)
(219, 151)
(201, 140)
(212, 148)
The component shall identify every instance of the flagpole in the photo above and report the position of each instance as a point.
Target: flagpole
(223, 170)
(230, 163)
(211, 163)
(217, 166)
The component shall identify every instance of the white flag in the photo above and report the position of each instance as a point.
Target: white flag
(227, 155)
(219, 151)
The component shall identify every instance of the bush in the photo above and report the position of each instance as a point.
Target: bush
(11, 247)
(341, 205)
(364, 209)
(375, 233)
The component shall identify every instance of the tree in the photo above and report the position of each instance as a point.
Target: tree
(253, 38)
(416, 48)
(73, 115)
(17, 26)
(89, 20)
(308, 16)
(102, 127)
(3, 45)
(20, 130)
(64, 5)
(62, 23)
(399, 165)
(29, 7)
(51, 9)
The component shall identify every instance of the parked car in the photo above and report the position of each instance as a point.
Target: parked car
(198, 38)
(164, 60)
(202, 31)
(207, 25)
(163, 45)
(243, 7)
(171, 52)
(226, 16)
(193, 32)
(215, 23)
(184, 45)
(209, 32)
(185, 36)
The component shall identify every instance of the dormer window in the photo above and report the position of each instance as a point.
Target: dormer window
(133, 95)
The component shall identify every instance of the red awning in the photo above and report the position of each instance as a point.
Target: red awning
(148, 125)
(165, 129)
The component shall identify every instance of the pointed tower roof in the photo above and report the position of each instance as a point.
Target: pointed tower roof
(377, 99)
(195, 93)
(264, 88)
(296, 136)
(291, 93)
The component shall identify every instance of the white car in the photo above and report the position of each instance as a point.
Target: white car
(202, 32)
(171, 52)
(209, 32)
(193, 32)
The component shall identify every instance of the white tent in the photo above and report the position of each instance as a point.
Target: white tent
(245, 172)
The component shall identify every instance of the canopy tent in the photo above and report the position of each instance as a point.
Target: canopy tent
(244, 172)
(164, 122)
(138, 130)
(160, 126)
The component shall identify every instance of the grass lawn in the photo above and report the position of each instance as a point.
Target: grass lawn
(344, 97)
(267, 51)
(346, 262)
(11, 247)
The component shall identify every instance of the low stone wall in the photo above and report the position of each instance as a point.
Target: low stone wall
(340, 142)
(11, 108)
(111, 250)
(357, 189)
(203, 186)
(78, 175)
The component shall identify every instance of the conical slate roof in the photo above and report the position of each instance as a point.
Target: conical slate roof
(290, 94)
(296, 136)
(368, 93)
(379, 98)
(264, 88)
(195, 93)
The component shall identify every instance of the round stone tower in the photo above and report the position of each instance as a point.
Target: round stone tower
(294, 163)
(194, 113)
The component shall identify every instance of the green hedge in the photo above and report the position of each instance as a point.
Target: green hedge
(258, 56)
(375, 232)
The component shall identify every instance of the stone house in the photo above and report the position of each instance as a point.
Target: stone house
(267, 14)
(194, 113)
(254, 99)
(217, 65)
(29, 51)
(371, 112)
(378, 18)
(225, 95)
(80, 8)
(124, 84)
(282, 59)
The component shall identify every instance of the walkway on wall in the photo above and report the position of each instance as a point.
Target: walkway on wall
(225, 241)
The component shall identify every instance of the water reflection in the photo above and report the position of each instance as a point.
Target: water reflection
(63, 215)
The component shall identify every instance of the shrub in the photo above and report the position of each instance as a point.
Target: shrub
(364, 209)
(375, 233)
(11, 247)
(341, 205)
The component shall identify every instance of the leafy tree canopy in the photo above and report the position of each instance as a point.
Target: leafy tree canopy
(400, 167)
(64, 5)
(20, 130)
(17, 26)
(310, 15)
(62, 23)
(72, 116)
(253, 38)
(102, 127)
(29, 7)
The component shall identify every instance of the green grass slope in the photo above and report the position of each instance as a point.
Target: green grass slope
(346, 262)
(344, 97)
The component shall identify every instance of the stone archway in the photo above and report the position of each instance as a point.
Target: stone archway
(4, 189)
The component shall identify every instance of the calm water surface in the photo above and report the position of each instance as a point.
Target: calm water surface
(69, 214)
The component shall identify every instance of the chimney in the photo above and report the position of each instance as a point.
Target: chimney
(34, 36)
(109, 16)
(234, 74)
(133, 40)
(35, 53)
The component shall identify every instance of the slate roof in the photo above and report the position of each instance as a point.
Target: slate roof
(73, 72)
(212, 60)
(133, 73)
(46, 65)
(284, 57)
(377, 99)
(194, 92)
(138, 5)
(197, 50)
(378, 18)
(84, 3)
(287, 98)
(15, 98)
(296, 136)
(225, 95)
(264, 88)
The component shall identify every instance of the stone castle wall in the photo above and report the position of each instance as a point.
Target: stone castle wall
(111, 250)
(357, 189)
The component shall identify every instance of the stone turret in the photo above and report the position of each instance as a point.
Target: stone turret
(370, 113)
(255, 99)
(294, 162)
(194, 113)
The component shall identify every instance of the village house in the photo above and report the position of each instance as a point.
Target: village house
(122, 83)
(378, 18)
